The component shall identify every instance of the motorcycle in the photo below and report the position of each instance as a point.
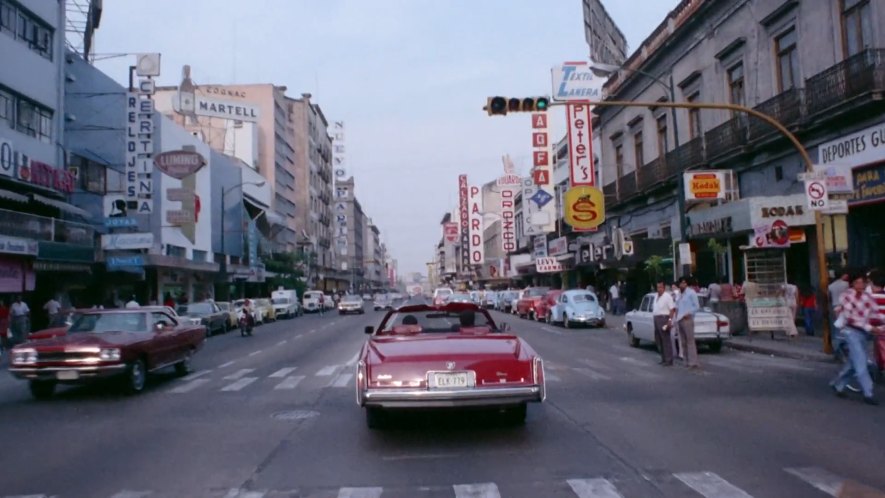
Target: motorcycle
(246, 322)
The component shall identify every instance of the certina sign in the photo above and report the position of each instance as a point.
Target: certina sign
(574, 81)
(225, 110)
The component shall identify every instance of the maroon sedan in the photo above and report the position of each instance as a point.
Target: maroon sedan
(124, 343)
(449, 356)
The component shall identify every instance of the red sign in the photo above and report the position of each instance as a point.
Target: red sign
(464, 219)
(580, 145)
(539, 139)
(539, 120)
(450, 232)
(541, 176)
(540, 158)
(179, 163)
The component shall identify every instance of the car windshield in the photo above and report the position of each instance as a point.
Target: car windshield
(312, 295)
(443, 292)
(280, 300)
(351, 299)
(584, 298)
(196, 309)
(537, 292)
(432, 321)
(98, 323)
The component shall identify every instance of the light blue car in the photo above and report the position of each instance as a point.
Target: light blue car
(577, 307)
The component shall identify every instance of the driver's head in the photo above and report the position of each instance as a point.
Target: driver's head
(467, 318)
(410, 320)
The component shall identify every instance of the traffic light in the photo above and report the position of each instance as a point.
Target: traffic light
(500, 106)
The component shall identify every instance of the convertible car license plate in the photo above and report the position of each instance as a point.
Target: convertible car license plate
(450, 380)
(67, 375)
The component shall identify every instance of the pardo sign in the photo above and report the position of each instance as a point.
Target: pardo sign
(575, 81)
(580, 144)
(477, 245)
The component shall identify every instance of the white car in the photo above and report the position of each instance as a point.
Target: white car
(710, 329)
(311, 301)
(575, 307)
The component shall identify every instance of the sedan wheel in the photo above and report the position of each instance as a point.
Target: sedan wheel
(136, 376)
(184, 366)
(632, 340)
(375, 417)
(42, 389)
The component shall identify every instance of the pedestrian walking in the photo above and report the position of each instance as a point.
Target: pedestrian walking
(52, 307)
(808, 305)
(322, 301)
(615, 294)
(686, 307)
(662, 312)
(4, 326)
(791, 297)
(20, 314)
(857, 309)
(714, 290)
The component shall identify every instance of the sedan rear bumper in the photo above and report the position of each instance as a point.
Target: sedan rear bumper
(83, 372)
(477, 397)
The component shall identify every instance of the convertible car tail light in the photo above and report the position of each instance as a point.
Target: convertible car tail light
(538, 373)
(362, 381)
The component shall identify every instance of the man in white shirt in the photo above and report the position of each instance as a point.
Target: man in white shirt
(662, 312)
(52, 307)
(615, 294)
(20, 314)
(132, 303)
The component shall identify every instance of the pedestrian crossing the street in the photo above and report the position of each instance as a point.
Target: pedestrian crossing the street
(807, 481)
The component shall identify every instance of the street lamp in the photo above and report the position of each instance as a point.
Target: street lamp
(224, 192)
(604, 70)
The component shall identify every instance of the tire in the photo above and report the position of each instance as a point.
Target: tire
(631, 339)
(565, 321)
(184, 366)
(715, 346)
(516, 415)
(375, 418)
(136, 377)
(208, 332)
(42, 389)
(549, 318)
(531, 315)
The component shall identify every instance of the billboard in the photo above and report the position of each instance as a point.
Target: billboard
(475, 231)
(464, 220)
(608, 44)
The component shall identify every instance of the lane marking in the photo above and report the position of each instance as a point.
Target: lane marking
(290, 382)
(236, 386)
(188, 387)
(327, 371)
(283, 342)
(593, 374)
(710, 485)
(343, 380)
(196, 375)
(360, 492)
(821, 479)
(225, 365)
(594, 488)
(253, 353)
(131, 494)
(481, 490)
(239, 373)
(552, 330)
(243, 493)
(282, 372)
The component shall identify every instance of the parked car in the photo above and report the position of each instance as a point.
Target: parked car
(577, 307)
(351, 303)
(126, 343)
(505, 300)
(310, 302)
(268, 313)
(490, 300)
(207, 314)
(542, 307)
(328, 302)
(382, 302)
(227, 307)
(459, 297)
(451, 356)
(285, 303)
(710, 329)
(525, 307)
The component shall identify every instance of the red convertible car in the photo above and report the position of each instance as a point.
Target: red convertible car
(124, 343)
(450, 356)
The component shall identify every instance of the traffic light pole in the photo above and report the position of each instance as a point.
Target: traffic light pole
(809, 167)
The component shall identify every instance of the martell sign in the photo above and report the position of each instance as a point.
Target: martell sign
(179, 164)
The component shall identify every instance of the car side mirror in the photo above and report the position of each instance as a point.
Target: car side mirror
(370, 330)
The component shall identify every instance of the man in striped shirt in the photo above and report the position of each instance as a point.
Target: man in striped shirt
(877, 290)
(858, 308)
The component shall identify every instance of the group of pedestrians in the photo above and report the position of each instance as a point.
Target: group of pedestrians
(674, 312)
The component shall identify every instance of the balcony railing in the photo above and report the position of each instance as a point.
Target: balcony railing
(40, 228)
(610, 191)
(855, 76)
(785, 107)
(626, 186)
(652, 174)
(726, 138)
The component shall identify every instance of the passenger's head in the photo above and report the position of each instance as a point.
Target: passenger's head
(467, 318)
(858, 281)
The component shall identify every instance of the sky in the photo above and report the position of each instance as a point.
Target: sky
(408, 77)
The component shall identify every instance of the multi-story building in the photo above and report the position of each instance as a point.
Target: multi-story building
(254, 123)
(313, 186)
(374, 256)
(352, 221)
(817, 67)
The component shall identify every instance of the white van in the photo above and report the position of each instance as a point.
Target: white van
(285, 303)
(311, 301)
(441, 294)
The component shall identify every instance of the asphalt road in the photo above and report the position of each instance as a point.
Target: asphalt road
(274, 416)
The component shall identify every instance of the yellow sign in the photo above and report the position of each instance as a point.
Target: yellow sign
(584, 207)
(704, 185)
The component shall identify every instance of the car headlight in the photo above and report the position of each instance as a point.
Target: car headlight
(197, 321)
(24, 356)
(111, 354)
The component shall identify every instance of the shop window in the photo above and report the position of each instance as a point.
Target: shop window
(694, 117)
(638, 154)
(6, 103)
(199, 256)
(736, 91)
(176, 251)
(32, 119)
(778, 173)
(90, 174)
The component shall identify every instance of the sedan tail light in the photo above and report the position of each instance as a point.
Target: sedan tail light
(720, 325)
(538, 374)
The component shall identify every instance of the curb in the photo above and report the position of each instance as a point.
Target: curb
(796, 355)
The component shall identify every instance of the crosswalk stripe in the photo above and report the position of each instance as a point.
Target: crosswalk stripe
(594, 488)
(242, 493)
(195, 375)
(189, 386)
(327, 371)
(253, 353)
(480, 490)
(290, 382)
(360, 492)
(227, 364)
(343, 380)
(236, 386)
(282, 372)
(132, 494)
(710, 485)
(821, 479)
(239, 373)
(352, 361)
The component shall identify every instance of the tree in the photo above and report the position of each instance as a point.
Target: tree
(654, 265)
(288, 268)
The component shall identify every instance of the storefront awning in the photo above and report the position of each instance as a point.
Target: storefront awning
(12, 196)
(61, 205)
